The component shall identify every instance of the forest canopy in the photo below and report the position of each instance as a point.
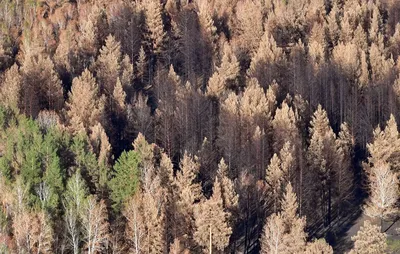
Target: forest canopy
(199, 126)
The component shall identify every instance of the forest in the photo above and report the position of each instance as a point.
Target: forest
(199, 126)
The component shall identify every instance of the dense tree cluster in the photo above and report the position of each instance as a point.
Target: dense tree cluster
(171, 126)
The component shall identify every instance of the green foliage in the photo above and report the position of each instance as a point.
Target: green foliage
(85, 159)
(75, 193)
(33, 156)
(125, 179)
(393, 246)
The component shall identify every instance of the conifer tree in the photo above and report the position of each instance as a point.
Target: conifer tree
(108, 65)
(41, 85)
(157, 35)
(369, 239)
(385, 144)
(295, 237)
(225, 75)
(10, 93)
(274, 179)
(124, 182)
(84, 106)
(322, 159)
(229, 129)
(229, 196)
(285, 127)
(119, 97)
(344, 176)
(211, 220)
(318, 246)
(248, 26)
(268, 59)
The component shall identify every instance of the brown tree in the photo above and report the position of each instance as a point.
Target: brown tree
(211, 220)
(369, 240)
(84, 106)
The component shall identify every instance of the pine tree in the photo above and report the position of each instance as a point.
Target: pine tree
(211, 220)
(125, 180)
(369, 240)
(84, 106)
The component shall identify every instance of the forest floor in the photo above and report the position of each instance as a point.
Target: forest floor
(389, 227)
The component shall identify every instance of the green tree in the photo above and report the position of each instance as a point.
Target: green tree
(125, 179)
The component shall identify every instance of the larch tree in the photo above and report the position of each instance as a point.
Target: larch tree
(322, 161)
(344, 176)
(11, 88)
(266, 62)
(145, 152)
(248, 27)
(369, 240)
(225, 75)
(108, 65)
(275, 181)
(157, 36)
(119, 97)
(294, 238)
(188, 192)
(102, 149)
(318, 246)
(255, 109)
(229, 195)
(167, 83)
(229, 130)
(285, 127)
(42, 88)
(177, 248)
(211, 220)
(385, 145)
(84, 106)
